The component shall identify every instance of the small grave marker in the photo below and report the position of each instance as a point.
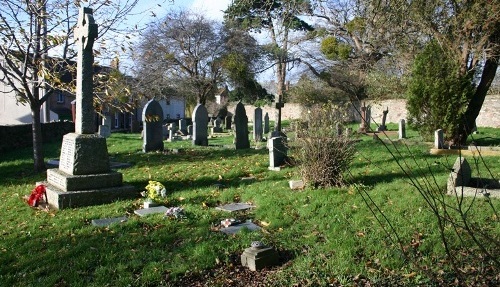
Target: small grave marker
(259, 256)
(232, 207)
(108, 221)
(233, 229)
(152, 210)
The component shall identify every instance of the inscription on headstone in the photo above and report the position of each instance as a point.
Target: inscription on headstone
(67, 160)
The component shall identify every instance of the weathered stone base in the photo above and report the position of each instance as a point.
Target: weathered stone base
(60, 199)
(256, 259)
(68, 182)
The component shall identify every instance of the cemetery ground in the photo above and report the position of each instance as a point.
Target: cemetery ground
(323, 236)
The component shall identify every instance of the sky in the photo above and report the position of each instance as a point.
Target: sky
(210, 8)
(147, 11)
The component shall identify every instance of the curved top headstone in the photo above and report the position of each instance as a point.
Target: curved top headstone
(200, 125)
(152, 117)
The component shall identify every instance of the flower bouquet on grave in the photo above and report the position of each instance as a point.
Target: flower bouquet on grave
(38, 195)
(175, 212)
(154, 193)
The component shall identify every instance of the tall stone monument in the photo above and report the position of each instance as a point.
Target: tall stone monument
(84, 176)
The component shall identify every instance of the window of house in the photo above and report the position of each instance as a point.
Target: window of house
(60, 98)
(117, 122)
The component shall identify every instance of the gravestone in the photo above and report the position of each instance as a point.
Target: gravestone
(266, 124)
(277, 152)
(105, 128)
(152, 117)
(383, 127)
(363, 126)
(438, 139)
(217, 126)
(106, 222)
(233, 229)
(84, 176)
(200, 125)
(259, 256)
(257, 125)
(190, 130)
(241, 127)
(227, 123)
(183, 126)
(232, 207)
(151, 210)
(402, 129)
(460, 175)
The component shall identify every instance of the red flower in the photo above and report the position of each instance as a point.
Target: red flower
(36, 195)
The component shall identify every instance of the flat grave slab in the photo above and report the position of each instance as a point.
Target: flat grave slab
(233, 229)
(151, 210)
(103, 222)
(232, 207)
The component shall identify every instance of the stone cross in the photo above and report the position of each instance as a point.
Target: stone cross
(383, 127)
(85, 34)
(277, 129)
(362, 126)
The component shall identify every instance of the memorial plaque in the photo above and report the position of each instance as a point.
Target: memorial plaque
(67, 159)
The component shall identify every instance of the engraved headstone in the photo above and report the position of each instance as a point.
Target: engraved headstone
(277, 152)
(200, 125)
(241, 127)
(152, 116)
(257, 125)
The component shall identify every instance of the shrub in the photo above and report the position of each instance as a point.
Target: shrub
(323, 156)
(437, 94)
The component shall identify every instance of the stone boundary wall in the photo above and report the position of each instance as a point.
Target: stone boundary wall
(488, 117)
(19, 136)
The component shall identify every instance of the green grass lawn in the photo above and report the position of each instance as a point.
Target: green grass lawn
(324, 236)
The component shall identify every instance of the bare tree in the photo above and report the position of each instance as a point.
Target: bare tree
(36, 47)
(181, 52)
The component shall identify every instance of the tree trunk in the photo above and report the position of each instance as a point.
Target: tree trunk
(38, 157)
(476, 103)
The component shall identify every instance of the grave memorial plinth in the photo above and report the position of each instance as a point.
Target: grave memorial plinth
(259, 256)
(84, 176)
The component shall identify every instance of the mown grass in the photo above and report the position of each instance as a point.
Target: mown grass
(326, 235)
